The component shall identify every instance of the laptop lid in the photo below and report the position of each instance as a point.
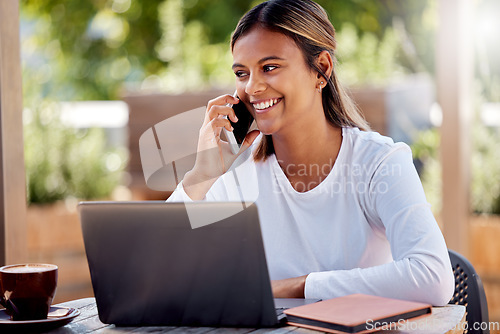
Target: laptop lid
(150, 267)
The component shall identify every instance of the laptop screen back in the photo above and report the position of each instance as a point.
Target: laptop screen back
(150, 267)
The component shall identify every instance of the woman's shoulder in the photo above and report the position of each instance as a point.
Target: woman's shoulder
(371, 145)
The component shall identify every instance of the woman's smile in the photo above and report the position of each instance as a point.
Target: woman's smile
(265, 105)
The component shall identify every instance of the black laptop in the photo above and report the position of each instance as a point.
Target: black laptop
(150, 266)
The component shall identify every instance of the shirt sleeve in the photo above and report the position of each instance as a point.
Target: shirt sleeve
(421, 269)
(215, 193)
(179, 195)
(227, 187)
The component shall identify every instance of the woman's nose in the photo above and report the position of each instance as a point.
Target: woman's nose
(255, 85)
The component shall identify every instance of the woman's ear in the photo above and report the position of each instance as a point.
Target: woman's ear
(325, 63)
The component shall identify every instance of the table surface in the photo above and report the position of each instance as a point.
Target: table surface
(448, 319)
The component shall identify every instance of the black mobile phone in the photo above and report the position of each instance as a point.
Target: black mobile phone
(245, 120)
(240, 128)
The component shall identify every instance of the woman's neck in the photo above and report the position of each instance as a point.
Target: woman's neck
(307, 156)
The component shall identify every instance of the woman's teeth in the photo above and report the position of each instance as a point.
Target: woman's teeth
(265, 104)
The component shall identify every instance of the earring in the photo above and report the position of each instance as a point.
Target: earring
(320, 88)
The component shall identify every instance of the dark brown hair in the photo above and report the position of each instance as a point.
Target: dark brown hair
(306, 23)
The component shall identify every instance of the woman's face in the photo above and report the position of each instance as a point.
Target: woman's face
(274, 81)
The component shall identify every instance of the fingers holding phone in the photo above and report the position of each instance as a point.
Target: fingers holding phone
(215, 155)
(233, 119)
(241, 128)
(217, 115)
(221, 106)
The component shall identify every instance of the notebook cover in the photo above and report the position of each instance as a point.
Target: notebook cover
(327, 330)
(356, 313)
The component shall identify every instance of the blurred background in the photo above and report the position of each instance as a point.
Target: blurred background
(97, 74)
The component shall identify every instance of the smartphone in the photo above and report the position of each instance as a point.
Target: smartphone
(241, 128)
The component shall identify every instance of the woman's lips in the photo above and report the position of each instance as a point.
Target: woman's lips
(264, 106)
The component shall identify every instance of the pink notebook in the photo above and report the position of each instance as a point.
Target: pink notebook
(356, 313)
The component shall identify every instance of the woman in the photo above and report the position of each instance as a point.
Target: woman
(342, 209)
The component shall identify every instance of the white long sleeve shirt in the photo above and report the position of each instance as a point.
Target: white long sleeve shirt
(366, 228)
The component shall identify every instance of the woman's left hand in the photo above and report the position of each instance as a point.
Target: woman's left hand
(289, 287)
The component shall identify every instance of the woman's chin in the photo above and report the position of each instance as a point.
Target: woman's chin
(266, 128)
(265, 131)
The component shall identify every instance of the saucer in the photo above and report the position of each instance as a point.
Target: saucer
(58, 316)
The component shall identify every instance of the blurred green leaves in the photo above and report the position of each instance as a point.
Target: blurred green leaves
(485, 171)
(367, 60)
(485, 165)
(425, 151)
(66, 162)
(101, 43)
(97, 50)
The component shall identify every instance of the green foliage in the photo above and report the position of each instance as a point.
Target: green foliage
(485, 172)
(94, 50)
(63, 162)
(89, 48)
(425, 150)
(485, 185)
(488, 48)
(366, 59)
(193, 61)
(398, 34)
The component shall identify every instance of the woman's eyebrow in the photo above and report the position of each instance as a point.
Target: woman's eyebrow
(260, 61)
(270, 58)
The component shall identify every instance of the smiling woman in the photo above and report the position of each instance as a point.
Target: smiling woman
(342, 209)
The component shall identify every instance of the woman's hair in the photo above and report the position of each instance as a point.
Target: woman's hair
(306, 23)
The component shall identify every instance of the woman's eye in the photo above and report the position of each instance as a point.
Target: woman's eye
(240, 74)
(269, 68)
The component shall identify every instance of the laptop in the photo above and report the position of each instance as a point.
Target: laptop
(150, 266)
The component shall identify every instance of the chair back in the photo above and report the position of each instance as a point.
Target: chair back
(469, 291)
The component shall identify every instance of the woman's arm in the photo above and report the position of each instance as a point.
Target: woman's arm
(289, 288)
